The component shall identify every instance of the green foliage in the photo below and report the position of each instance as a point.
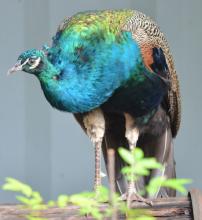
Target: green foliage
(138, 165)
(31, 199)
(62, 201)
(141, 166)
(89, 202)
(177, 184)
(17, 186)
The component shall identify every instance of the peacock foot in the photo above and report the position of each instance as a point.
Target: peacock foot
(133, 196)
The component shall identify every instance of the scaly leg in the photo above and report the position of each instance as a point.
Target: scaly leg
(132, 134)
(95, 126)
(97, 180)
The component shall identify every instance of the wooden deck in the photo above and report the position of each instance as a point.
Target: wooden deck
(167, 208)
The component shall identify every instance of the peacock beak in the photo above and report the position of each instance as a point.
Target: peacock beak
(18, 67)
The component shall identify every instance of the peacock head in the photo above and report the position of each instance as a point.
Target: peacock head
(31, 61)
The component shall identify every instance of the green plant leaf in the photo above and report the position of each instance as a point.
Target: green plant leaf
(126, 170)
(140, 171)
(51, 203)
(176, 184)
(102, 194)
(17, 186)
(137, 153)
(150, 163)
(24, 200)
(154, 185)
(37, 198)
(62, 201)
(39, 207)
(126, 155)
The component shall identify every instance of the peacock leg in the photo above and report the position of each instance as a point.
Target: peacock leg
(132, 134)
(95, 127)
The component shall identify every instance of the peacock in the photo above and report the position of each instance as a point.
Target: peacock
(114, 71)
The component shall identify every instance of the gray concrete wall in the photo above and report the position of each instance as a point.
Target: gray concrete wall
(46, 148)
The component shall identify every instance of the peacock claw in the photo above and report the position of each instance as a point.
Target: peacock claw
(135, 197)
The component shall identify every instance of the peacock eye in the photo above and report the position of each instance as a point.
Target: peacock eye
(34, 62)
(31, 61)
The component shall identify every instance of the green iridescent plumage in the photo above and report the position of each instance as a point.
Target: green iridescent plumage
(110, 22)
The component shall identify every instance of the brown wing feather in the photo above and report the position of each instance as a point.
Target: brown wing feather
(148, 35)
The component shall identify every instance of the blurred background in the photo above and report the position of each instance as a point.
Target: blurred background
(46, 148)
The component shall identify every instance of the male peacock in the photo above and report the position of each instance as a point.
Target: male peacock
(113, 70)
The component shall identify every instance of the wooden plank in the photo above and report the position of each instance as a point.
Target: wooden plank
(163, 209)
(196, 198)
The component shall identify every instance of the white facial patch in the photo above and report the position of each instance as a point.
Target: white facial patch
(35, 64)
(24, 62)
